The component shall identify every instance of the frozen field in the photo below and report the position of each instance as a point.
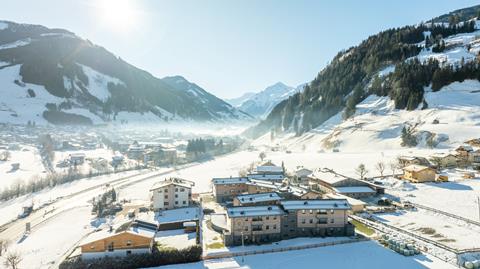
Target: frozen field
(356, 255)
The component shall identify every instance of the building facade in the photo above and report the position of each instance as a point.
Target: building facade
(419, 173)
(171, 193)
(225, 189)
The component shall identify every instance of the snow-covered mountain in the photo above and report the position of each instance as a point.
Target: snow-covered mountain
(260, 104)
(446, 115)
(239, 100)
(400, 64)
(53, 76)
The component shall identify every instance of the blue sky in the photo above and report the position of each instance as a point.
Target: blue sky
(227, 47)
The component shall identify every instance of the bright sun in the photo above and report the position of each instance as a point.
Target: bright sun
(119, 15)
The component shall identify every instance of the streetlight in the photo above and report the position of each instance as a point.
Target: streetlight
(243, 249)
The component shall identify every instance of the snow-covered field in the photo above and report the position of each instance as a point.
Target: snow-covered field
(445, 230)
(356, 255)
(30, 166)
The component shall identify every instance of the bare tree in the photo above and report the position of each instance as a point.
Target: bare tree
(393, 167)
(262, 155)
(380, 166)
(361, 171)
(4, 244)
(12, 260)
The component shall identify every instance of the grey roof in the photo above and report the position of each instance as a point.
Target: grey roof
(334, 204)
(259, 197)
(229, 180)
(252, 211)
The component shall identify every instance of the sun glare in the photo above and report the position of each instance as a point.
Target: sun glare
(119, 15)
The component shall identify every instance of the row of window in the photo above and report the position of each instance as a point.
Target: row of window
(110, 246)
(260, 227)
(176, 202)
(320, 221)
(176, 190)
(318, 211)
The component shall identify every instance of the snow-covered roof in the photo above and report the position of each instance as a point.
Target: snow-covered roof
(355, 189)
(266, 176)
(252, 211)
(229, 180)
(294, 190)
(106, 233)
(416, 168)
(175, 181)
(328, 177)
(269, 169)
(316, 204)
(259, 197)
(172, 215)
(264, 183)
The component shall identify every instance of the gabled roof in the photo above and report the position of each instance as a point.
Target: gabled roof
(259, 197)
(252, 211)
(316, 204)
(416, 168)
(104, 234)
(173, 181)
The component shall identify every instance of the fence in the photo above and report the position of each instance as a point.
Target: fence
(283, 249)
(447, 214)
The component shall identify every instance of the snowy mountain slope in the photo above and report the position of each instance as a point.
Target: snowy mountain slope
(53, 76)
(260, 104)
(396, 62)
(377, 124)
(239, 100)
(212, 105)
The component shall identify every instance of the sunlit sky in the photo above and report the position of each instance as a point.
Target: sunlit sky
(227, 47)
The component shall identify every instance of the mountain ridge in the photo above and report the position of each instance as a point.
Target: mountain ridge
(87, 84)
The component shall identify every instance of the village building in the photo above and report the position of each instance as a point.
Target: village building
(418, 173)
(409, 160)
(133, 240)
(329, 182)
(171, 193)
(267, 198)
(356, 191)
(256, 224)
(444, 160)
(267, 177)
(77, 158)
(224, 189)
(302, 174)
(268, 172)
(289, 219)
(326, 217)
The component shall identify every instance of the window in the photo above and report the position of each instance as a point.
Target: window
(176, 202)
(311, 220)
(311, 211)
(323, 221)
(323, 212)
(275, 226)
(166, 196)
(246, 229)
(182, 190)
(129, 252)
(92, 247)
(267, 227)
(267, 218)
(274, 217)
(184, 202)
(129, 243)
(176, 189)
(110, 247)
(303, 221)
(160, 191)
(165, 203)
(176, 195)
(332, 221)
(303, 211)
